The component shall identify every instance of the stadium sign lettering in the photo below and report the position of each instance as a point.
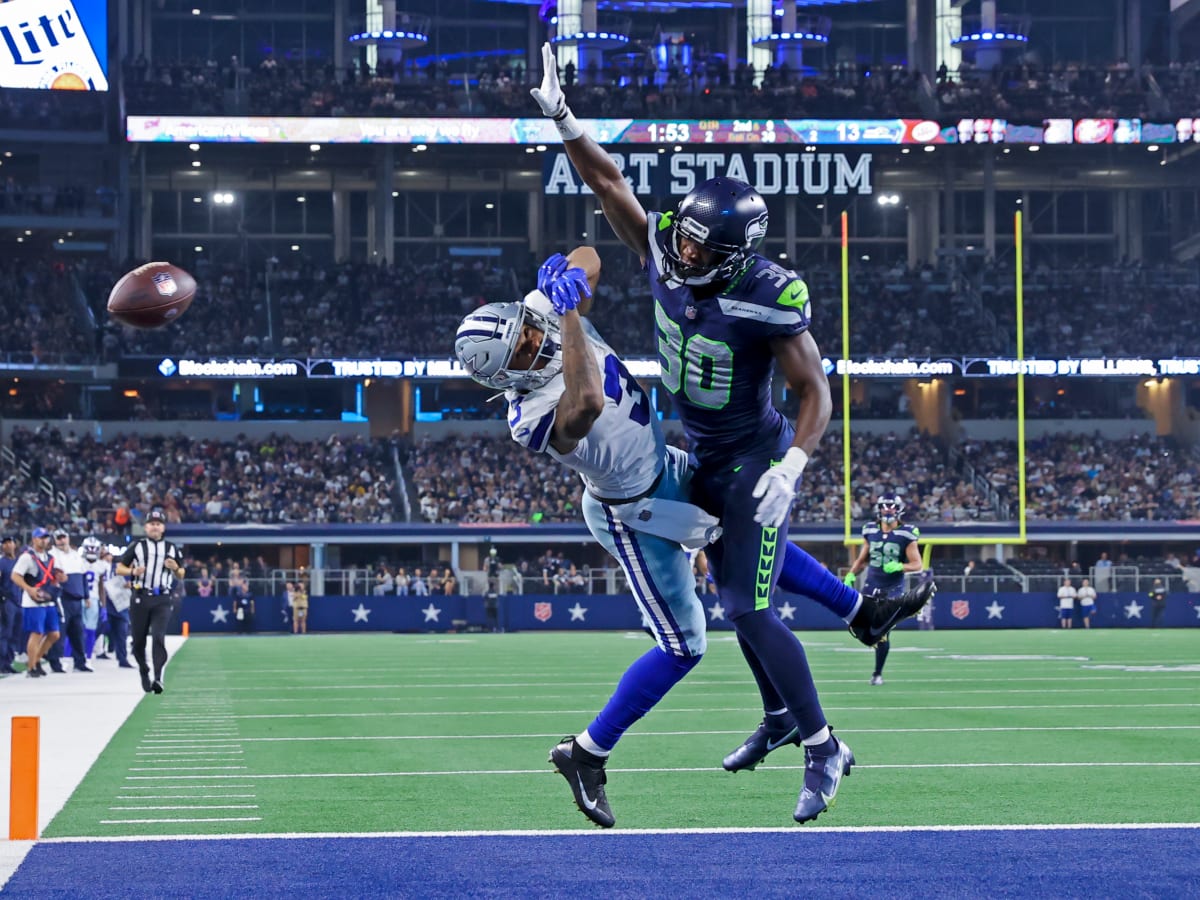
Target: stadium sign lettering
(770, 171)
(443, 368)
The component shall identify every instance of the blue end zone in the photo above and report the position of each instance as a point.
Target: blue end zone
(1085, 863)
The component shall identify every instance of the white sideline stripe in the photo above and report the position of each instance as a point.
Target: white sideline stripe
(702, 769)
(172, 821)
(191, 749)
(617, 835)
(549, 735)
(142, 809)
(707, 709)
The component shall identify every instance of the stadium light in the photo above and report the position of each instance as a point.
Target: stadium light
(223, 198)
(314, 147)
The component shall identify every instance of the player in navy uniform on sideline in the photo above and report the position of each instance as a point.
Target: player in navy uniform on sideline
(889, 550)
(725, 317)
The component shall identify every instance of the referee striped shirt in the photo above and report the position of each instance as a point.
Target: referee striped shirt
(157, 578)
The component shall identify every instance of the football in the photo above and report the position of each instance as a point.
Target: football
(151, 296)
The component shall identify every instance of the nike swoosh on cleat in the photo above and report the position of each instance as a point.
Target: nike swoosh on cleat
(586, 800)
(774, 745)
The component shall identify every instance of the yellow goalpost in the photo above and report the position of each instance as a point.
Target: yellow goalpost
(930, 540)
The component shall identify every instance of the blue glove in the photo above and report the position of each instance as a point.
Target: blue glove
(549, 270)
(568, 290)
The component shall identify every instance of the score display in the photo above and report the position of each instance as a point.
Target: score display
(525, 131)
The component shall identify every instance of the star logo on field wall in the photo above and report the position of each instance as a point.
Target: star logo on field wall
(431, 613)
(1133, 610)
(787, 611)
(220, 614)
(578, 612)
(995, 611)
(361, 613)
(716, 611)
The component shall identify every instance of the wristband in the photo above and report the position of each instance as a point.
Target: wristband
(795, 460)
(568, 127)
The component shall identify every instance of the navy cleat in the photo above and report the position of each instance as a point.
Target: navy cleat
(879, 614)
(146, 686)
(771, 734)
(585, 773)
(822, 777)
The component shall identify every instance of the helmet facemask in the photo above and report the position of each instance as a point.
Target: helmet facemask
(488, 338)
(728, 261)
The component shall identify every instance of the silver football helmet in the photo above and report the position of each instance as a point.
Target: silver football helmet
(488, 337)
(90, 548)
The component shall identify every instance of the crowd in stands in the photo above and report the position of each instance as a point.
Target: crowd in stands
(1021, 92)
(106, 487)
(41, 110)
(17, 197)
(103, 486)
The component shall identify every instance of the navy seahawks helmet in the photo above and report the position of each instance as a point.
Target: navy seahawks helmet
(890, 508)
(723, 215)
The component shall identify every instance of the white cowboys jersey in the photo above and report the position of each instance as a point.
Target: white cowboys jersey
(96, 571)
(623, 453)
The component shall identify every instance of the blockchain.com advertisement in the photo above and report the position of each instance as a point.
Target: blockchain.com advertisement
(54, 44)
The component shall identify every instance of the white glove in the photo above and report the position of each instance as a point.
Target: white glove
(551, 99)
(777, 488)
(549, 96)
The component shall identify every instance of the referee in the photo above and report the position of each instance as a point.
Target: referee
(153, 564)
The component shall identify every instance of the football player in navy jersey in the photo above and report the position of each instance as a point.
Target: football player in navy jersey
(889, 550)
(725, 317)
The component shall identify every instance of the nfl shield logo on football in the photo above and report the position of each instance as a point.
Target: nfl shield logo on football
(960, 609)
(165, 283)
(543, 611)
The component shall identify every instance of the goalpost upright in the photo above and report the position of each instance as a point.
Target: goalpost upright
(928, 541)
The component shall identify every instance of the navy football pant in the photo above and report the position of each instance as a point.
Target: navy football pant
(745, 565)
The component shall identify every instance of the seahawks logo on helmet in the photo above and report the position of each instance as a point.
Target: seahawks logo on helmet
(756, 230)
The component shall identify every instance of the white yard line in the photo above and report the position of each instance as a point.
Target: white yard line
(174, 821)
(707, 709)
(636, 734)
(710, 770)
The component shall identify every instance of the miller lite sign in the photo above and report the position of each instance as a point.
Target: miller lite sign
(46, 44)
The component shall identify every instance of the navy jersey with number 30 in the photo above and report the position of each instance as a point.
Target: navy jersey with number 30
(715, 352)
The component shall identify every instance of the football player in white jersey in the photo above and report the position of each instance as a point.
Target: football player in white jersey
(118, 594)
(570, 396)
(94, 573)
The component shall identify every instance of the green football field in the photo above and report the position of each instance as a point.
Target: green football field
(420, 733)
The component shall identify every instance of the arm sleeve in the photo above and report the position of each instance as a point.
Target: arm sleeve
(128, 558)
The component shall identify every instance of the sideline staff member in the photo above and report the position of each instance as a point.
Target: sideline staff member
(154, 564)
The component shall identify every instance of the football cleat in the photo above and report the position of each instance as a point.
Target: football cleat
(822, 778)
(879, 614)
(157, 686)
(585, 774)
(767, 736)
(876, 680)
(146, 686)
